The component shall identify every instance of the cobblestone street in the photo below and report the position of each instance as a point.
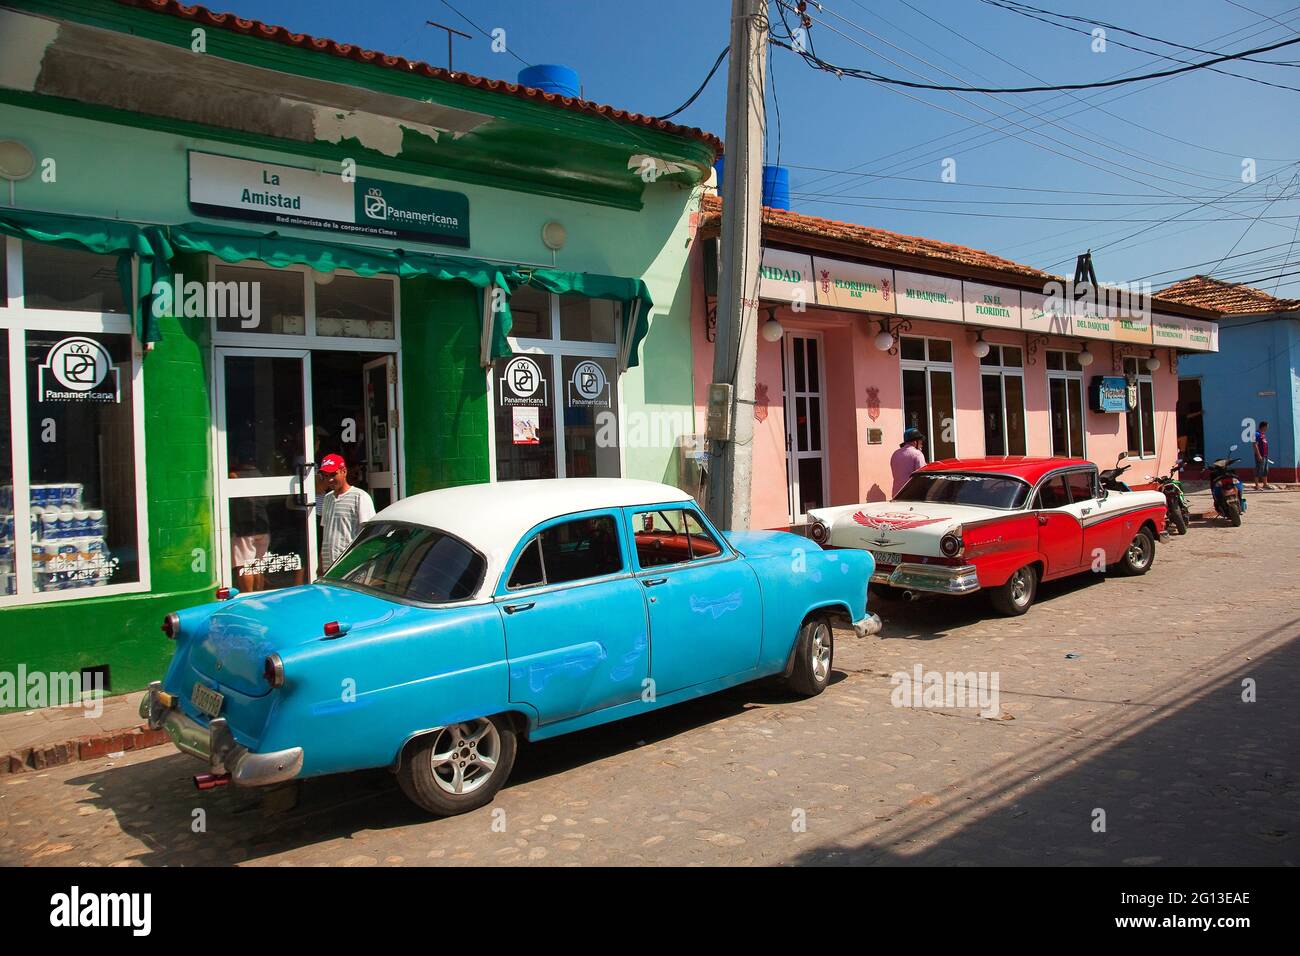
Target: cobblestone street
(1120, 697)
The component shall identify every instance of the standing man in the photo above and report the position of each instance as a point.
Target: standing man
(907, 459)
(1261, 456)
(343, 510)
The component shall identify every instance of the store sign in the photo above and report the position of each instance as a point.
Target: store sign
(1094, 320)
(1169, 330)
(1133, 328)
(1045, 314)
(230, 188)
(786, 277)
(854, 286)
(522, 383)
(588, 386)
(1203, 336)
(1110, 393)
(991, 305)
(929, 297)
(78, 369)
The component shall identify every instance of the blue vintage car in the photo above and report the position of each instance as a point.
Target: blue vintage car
(462, 620)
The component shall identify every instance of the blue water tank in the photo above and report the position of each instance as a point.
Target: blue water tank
(552, 78)
(776, 184)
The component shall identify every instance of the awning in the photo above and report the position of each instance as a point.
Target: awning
(125, 240)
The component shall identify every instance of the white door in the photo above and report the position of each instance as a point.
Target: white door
(805, 424)
(380, 384)
(266, 498)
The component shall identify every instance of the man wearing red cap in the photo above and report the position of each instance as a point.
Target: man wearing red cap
(344, 509)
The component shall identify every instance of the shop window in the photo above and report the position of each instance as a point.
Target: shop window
(355, 307)
(1066, 410)
(590, 435)
(70, 280)
(524, 397)
(928, 399)
(586, 320)
(279, 295)
(81, 461)
(530, 313)
(1141, 420)
(1003, 388)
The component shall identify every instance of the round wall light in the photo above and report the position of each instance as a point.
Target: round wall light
(1153, 363)
(554, 235)
(16, 160)
(1085, 357)
(772, 330)
(885, 341)
(979, 348)
(322, 278)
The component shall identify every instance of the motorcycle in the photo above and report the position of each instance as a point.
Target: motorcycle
(1228, 491)
(1110, 477)
(1179, 514)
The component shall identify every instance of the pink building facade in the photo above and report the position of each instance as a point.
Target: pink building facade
(838, 385)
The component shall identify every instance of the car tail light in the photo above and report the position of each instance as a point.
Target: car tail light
(273, 671)
(336, 628)
(171, 625)
(819, 532)
(225, 594)
(951, 544)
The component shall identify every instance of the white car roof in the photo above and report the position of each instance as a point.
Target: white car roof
(493, 516)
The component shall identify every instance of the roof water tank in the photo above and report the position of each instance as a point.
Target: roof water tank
(776, 184)
(552, 78)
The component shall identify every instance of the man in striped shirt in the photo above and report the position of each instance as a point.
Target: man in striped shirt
(344, 509)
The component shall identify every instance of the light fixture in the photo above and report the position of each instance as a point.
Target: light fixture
(16, 160)
(772, 330)
(979, 347)
(1085, 357)
(885, 340)
(322, 278)
(554, 235)
(1153, 363)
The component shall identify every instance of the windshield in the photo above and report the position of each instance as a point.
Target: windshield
(950, 488)
(410, 562)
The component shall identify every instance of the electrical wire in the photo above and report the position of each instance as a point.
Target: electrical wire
(694, 96)
(484, 32)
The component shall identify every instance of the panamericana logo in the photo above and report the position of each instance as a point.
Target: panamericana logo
(78, 365)
(376, 206)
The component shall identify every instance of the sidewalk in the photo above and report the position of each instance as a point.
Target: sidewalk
(37, 739)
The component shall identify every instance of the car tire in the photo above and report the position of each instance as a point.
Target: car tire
(473, 756)
(814, 655)
(1139, 555)
(1178, 521)
(1233, 514)
(1014, 597)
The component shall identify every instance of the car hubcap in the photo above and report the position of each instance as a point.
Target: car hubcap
(1020, 587)
(465, 755)
(821, 652)
(1139, 552)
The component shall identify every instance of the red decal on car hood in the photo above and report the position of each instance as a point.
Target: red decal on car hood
(893, 521)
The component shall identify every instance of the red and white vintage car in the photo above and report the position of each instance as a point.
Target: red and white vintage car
(1002, 525)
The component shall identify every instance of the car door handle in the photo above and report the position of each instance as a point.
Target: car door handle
(1085, 511)
(516, 608)
(651, 582)
(1042, 519)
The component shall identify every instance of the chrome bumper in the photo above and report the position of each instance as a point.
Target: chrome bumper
(216, 744)
(939, 578)
(871, 624)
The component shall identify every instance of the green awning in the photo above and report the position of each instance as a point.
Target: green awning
(125, 240)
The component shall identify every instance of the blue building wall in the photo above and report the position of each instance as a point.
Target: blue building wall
(1256, 355)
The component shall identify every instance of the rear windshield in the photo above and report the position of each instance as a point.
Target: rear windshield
(410, 562)
(981, 491)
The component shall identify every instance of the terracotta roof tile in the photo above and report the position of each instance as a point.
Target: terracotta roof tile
(236, 24)
(881, 239)
(1225, 297)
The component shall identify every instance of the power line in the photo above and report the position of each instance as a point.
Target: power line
(484, 32)
(694, 96)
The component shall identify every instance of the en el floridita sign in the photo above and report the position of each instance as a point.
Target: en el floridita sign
(231, 188)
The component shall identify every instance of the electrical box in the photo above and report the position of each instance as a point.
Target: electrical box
(693, 465)
(719, 414)
(875, 436)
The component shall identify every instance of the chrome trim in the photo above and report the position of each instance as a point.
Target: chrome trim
(942, 579)
(871, 624)
(216, 744)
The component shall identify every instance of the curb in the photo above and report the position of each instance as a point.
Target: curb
(81, 748)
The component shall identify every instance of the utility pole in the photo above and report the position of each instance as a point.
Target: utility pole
(731, 395)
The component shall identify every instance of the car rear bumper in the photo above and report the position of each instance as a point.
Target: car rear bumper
(937, 578)
(871, 624)
(216, 744)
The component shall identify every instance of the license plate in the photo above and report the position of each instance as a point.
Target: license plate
(887, 557)
(207, 700)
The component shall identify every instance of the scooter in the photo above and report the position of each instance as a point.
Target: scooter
(1110, 477)
(1228, 491)
(1176, 502)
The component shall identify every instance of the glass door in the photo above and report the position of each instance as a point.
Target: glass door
(265, 492)
(805, 423)
(380, 378)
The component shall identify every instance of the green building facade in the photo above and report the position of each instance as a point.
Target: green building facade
(233, 250)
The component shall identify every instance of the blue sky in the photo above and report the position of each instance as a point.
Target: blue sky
(1128, 157)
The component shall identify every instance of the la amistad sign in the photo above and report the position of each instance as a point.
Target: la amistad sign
(230, 188)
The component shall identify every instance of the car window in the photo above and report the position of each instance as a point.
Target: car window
(409, 561)
(1053, 493)
(671, 536)
(569, 551)
(1081, 486)
(954, 488)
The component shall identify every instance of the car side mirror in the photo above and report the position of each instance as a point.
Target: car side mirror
(1103, 494)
